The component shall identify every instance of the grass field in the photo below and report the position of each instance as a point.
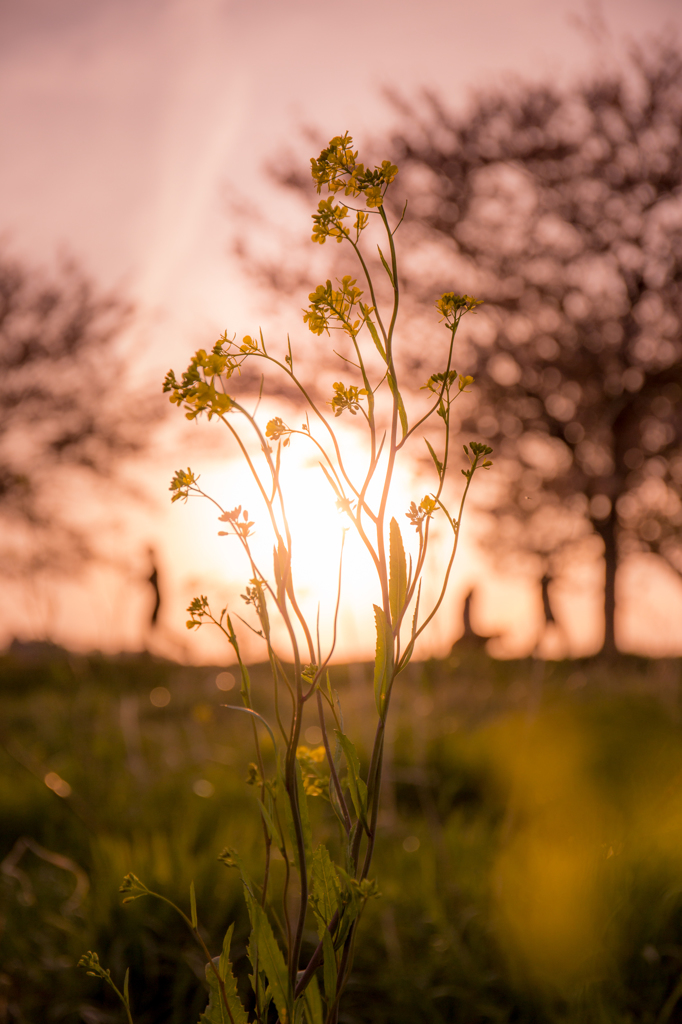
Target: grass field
(529, 857)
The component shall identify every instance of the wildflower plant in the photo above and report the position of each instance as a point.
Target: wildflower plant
(328, 882)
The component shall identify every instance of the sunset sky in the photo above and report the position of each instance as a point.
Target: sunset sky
(131, 130)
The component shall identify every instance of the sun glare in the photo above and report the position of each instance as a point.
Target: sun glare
(319, 531)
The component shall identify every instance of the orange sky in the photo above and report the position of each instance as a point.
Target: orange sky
(125, 127)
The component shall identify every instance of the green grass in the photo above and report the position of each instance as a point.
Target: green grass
(547, 801)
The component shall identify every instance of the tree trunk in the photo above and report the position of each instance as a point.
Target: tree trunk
(607, 532)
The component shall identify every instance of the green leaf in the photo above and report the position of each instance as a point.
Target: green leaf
(216, 1012)
(282, 566)
(305, 817)
(416, 610)
(386, 267)
(288, 818)
(314, 1013)
(325, 888)
(356, 784)
(246, 679)
(401, 408)
(384, 651)
(270, 957)
(224, 958)
(375, 338)
(329, 969)
(397, 587)
(193, 905)
(437, 462)
(239, 1014)
(269, 824)
(349, 914)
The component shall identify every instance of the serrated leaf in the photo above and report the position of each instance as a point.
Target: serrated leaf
(270, 957)
(216, 1012)
(224, 958)
(193, 905)
(397, 586)
(356, 784)
(438, 464)
(239, 1014)
(384, 650)
(325, 888)
(329, 968)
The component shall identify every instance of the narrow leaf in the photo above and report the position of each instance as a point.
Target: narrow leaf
(304, 816)
(381, 660)
(349, 914)
(269, 823)
(224, 965)
(193, 905)
(375, 338)
(314, 1013)
(246, 679)
(415, 617)
(386, 267)
(399, 399)
(288, 819)
(285, 569)
(397, 587)
(437, 462)
(329, 968)
(126, 993)
(356, 784)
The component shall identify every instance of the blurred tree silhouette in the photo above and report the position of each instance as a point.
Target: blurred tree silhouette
(63, 402)
(564, 206)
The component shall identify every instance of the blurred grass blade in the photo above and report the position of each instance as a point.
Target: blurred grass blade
(193, 905)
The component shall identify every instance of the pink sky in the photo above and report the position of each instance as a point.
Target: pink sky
(126, 124)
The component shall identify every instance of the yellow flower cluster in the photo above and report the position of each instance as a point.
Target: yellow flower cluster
(238, 520)
(329, 304)
(197, 391)
(453, 307)
(182, 483)
(277, 428)
(347, 398)
(424, 510)
(336, 167)
(310, 759)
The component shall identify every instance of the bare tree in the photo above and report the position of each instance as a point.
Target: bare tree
(563, 207)
(63, 403)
